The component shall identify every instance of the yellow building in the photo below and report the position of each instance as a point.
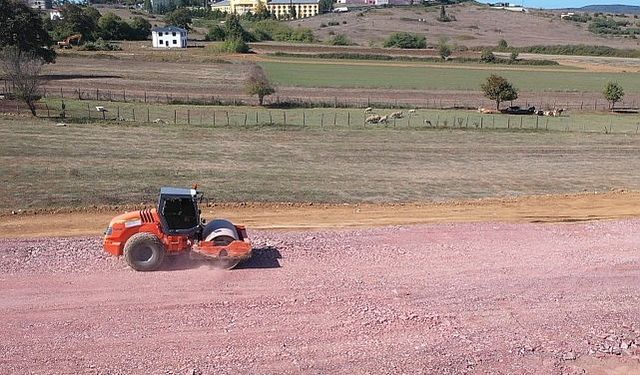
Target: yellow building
(279, 8)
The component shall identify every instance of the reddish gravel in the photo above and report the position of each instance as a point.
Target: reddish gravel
(448, 299)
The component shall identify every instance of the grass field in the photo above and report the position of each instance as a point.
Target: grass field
(322, 73)
(42, 165)
(209, 116)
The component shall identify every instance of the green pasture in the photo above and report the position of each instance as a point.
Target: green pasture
(322, 118)
(43, 165)
(343, 74)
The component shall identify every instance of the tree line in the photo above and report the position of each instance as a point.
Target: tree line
(92, 25)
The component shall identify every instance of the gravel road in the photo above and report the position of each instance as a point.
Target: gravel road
(487, 298)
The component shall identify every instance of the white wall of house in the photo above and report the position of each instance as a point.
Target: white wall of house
(169, 39)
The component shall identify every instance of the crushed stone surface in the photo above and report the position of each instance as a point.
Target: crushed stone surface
(481, 298)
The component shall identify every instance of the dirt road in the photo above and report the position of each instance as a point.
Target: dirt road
(484, 298)
(543, 208)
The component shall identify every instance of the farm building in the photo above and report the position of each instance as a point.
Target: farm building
(169, 37)
(280, 8)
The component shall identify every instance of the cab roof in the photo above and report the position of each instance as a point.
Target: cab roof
(177, 191)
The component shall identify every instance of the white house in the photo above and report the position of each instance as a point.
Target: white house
(169, 37)
(55, 14)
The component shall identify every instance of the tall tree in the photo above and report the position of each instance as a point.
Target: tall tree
(325, 6)
(179, 17)
(258, 84)
(22, 27)
(23, 70)
(613, 92)
(77, 20)
(498, 89)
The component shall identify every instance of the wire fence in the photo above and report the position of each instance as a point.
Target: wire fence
(320, 118)
(459, 100)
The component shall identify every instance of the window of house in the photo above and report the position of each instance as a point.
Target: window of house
(160, 41)
(174, 33)
(175, 41)
(160, 33)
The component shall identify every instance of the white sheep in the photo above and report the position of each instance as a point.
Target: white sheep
(374, 119)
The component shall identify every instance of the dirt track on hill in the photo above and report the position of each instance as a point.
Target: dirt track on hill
(481, 298)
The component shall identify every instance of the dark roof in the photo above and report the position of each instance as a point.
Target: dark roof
(169, 29)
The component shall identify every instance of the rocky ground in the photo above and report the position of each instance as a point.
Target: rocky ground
(482, 298)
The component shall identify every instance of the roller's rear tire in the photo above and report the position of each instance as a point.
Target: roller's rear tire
(144, 252)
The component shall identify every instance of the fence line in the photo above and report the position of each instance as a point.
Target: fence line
(325, 118)
(437, 101)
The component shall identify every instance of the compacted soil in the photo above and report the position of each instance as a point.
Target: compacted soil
(482, 298)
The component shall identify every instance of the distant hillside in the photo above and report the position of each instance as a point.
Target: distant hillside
(618, 9)
(472, 25)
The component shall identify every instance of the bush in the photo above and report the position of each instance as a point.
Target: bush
(406, 40)
(234, 45)
(339, 40)
(274, 30)
(502, 44)
(487, 56)
(99, 45)
(215, 33)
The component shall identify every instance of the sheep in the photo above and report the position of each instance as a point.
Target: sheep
(374, 119)
(159, 121)
(557, 112)
(412, 111)
(398, 114)
(383, 119)
(427, 122)
(101, 109)
(368, 109)
(486, 110)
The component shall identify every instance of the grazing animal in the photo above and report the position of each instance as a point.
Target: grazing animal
(383, 119)
(101, 109)
(159, 121)
(412, 111)
(374, 119)
(368, 109)
(427, 122)
(398, 114)
(486, 110)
